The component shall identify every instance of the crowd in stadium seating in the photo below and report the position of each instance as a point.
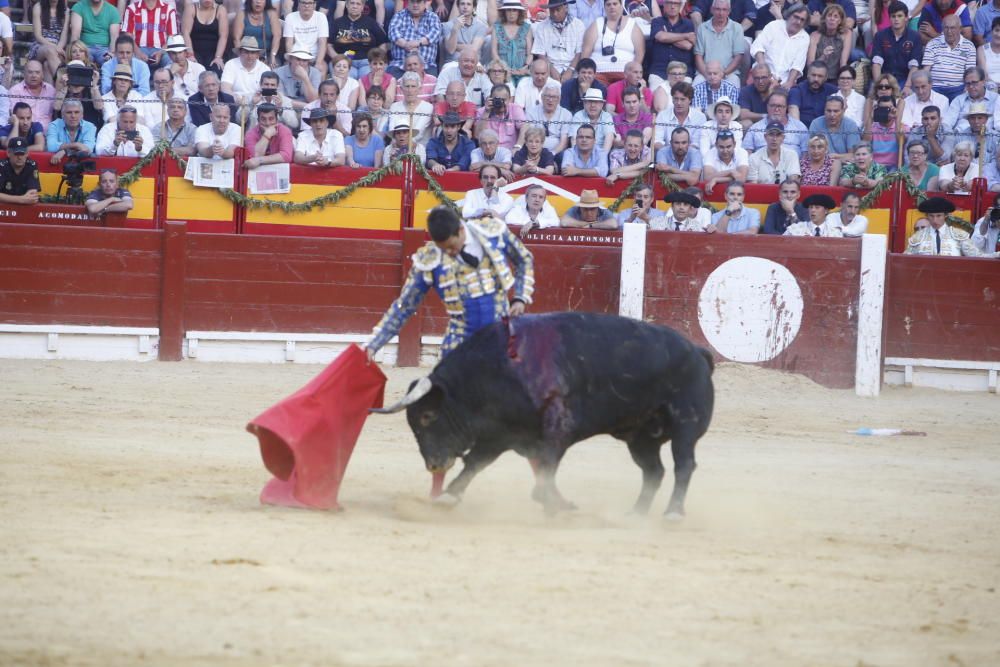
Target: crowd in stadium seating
(710, 92)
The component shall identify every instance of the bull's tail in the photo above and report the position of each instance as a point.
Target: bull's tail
(708, 358)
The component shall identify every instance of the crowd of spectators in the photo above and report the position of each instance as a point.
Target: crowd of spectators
(717, 92)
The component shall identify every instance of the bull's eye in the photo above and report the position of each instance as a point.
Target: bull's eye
(428, 418)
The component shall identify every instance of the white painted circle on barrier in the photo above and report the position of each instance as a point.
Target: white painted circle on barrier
(750, 309)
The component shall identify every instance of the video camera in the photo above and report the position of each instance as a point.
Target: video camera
(80, 76)
(73, 170)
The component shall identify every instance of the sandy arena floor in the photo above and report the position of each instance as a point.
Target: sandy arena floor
(130, 533)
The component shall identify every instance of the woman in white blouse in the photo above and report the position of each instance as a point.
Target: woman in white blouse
(612, 42)
(988, 55)
(122, 93)
(854, 100)
(956, 177)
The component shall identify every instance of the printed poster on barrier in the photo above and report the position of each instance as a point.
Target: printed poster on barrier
(269, 179)
(208, 173)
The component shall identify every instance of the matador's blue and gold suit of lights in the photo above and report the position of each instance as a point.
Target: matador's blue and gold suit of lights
(473, 296)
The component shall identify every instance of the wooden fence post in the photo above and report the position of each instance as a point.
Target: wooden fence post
(174, 273)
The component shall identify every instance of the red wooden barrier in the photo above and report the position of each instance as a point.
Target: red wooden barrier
(288, 284)
(825, 271)
(73, 275)
(943, 308)
(172, 299)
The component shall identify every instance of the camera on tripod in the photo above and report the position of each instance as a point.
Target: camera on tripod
(74, 169)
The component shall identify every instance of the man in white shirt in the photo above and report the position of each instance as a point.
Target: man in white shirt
(219, 138)
(819, 224)
(476, 84)
(155, 103)
(923, 96)
(784, 45)
(307, 29)
(849, 218)
(126, 137)
(532, 211)
(774, 162)
(241, 75)
(185, 70)
(487, 200)
(560, 39)
(726, 162)
(529, 89)
(320, 145)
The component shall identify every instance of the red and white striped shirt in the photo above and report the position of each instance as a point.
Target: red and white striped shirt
(150, 27)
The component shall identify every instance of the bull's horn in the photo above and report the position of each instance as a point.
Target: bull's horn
(420, 389)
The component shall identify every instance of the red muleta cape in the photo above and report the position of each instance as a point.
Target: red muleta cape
(307, 439)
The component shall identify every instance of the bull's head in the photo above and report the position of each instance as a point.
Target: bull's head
(439, 431)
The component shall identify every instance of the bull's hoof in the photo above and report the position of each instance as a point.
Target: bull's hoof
(552, 503)
(446, 500)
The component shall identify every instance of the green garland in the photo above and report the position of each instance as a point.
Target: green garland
(627, 192)
(918, 195)
(330, 199)
(432, 184)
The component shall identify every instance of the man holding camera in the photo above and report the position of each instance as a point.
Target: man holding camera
(270, 93)
(502, 116)
(22, 125)
(643, 209)
(71, 134)
(18, 175)
(127, 137)
(986, 234)
(109, 197)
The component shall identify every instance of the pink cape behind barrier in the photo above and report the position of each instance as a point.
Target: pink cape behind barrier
(307, 439)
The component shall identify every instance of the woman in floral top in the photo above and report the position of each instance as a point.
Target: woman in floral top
(817, 167)
(862, 172)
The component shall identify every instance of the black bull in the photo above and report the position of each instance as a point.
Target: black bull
(546, 382)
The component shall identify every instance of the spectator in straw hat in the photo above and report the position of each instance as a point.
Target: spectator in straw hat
(298, 78)
(560, 39)
(185, 70)
(320, 145)
(401, 144)
(241, 75)
(593, 113)
(589, 213)
(122, 93)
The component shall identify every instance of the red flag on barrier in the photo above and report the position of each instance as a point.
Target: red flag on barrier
(306, 440)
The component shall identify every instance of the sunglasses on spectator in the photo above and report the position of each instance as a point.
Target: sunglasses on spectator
(884, 85)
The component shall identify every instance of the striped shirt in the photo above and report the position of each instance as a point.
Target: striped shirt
(947, 65)
(150, 25)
